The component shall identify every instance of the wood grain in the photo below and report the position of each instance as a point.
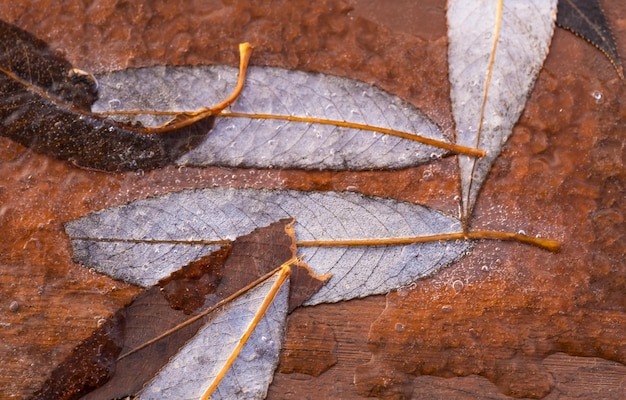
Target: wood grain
(551, 322)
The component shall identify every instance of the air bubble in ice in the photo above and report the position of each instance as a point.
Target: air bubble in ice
(598, 96)
(115, 104)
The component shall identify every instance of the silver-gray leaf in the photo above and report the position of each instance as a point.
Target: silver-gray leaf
(493, 59)
(245, 142)
(127, 242)
(190, 372)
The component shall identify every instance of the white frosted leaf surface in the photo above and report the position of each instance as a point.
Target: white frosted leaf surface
(190, 372)
(221, 213)
(488, 94)
(142, 264)
(244, 142)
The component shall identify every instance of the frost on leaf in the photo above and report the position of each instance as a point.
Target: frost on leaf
(129, 348)
(496, 49)
(146, 240)
(200, 362)
(263, 143)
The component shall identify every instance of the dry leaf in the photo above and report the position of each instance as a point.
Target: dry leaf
(496, 49)
(586, 19)
(146, 240)
(202, 362)
(191, 290)
(271, 143)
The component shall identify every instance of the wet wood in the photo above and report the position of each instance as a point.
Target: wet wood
(539, 321)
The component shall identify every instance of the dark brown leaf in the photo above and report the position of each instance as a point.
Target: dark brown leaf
(186, 288)
(88, 366)
(586, 19)
(46, 106)
(194, 288)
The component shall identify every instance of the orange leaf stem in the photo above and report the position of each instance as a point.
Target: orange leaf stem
(283, 272)
(545, 244)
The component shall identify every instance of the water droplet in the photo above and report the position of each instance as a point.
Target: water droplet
(598, 96)
(14, 306)
(521, 232)
(457, 286)
(399, 327)
(115, 104)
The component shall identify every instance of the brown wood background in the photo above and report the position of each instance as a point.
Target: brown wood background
(508, 320)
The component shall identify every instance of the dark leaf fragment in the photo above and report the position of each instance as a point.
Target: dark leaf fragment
(45, 105)
(94, 363)
(88, 366)
(586, 19)
(186, 288)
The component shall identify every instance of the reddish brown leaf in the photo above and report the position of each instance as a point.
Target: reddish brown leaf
(186, 288)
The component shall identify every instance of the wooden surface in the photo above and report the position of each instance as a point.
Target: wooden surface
(507, 320)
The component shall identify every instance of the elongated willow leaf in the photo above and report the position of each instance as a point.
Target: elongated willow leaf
(146, 240)
(45, 105)
(235, 354)
(257, 141)
(495, 53)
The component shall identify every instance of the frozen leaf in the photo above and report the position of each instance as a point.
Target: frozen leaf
(496, 49)
(586, 19)
(270, 93)
(142, 333)
(148, 239)
(221, 359)
(45, 105)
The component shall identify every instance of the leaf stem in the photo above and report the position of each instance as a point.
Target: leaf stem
(245, 51)
(283, 273)
(184, 118)
(190, 242)
(545, 244)
(454, 148)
